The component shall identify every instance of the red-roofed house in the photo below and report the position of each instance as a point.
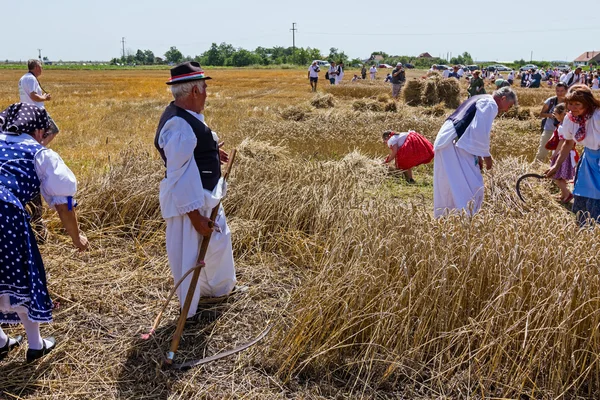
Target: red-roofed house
(425, 55)
(587, 57)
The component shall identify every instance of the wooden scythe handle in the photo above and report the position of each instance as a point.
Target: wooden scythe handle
(195, 276)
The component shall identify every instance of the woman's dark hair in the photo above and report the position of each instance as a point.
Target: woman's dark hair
(386, 135)
(583, 95)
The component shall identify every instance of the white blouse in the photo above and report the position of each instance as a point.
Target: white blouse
(57, 181)
(568, 129)
(397, 140)
(181, 191)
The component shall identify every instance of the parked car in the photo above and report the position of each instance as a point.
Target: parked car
(384, 66)
(409, 66)
(498, 67)
(442, 67)
(563, 67)
(472, 67)
(527, 67)
(321, 63)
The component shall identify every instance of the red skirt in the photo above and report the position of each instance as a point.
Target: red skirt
(416, 150)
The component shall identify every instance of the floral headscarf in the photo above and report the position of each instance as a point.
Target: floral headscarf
(23, 118)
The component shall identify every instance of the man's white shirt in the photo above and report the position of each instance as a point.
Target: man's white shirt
(29, 84)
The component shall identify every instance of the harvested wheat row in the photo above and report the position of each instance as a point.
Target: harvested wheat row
(367, 105)
(429, 93)
(412, 92)
(322, 101)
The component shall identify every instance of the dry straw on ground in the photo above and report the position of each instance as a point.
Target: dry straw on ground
(370, 296)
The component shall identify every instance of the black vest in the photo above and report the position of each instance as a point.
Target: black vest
(206, 153)
(464, 114)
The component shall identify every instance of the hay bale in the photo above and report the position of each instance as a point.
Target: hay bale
(438, 110)
(322, 101)
(412, 92)
(522, 114)
(391, 106)
(295, 113)
(429, 94)
(367, 105)
(449, 92)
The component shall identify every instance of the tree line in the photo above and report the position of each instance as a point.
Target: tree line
(226, 55)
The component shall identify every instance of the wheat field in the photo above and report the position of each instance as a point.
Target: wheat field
(369, 296)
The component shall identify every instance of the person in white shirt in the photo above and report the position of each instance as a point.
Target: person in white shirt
(372, 72)
(193, 186)
(313, 75)
(511, 77)
(595, 82)
(446, 73)
(332, 73)
(460, 72)
(574, 77)
(30, 91)
(461, 147)
(340, 75)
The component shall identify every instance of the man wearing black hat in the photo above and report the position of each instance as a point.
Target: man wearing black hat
(193, 187)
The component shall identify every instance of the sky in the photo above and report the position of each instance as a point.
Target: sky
(72, 30)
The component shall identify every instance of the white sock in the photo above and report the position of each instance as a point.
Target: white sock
(34, 339)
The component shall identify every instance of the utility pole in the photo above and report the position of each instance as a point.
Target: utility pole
(293, 37)
(531, 57)
(40, 54)
(123, 43)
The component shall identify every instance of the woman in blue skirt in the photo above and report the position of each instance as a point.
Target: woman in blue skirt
(27, 168)
(582, 126)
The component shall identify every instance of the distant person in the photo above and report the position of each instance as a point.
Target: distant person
(355, 78)
(313, 75)
(332, 73)
(461, 148)
(582, 127)
(446, 73)
(548, 122)
(398, 80)
(460, 72)
(433, 68)
(574, 78)
(536, 79)
(524, 79)
(388, 78)
(363, 72)
(477, 85)
(408, 150)
(595, 82)
(372, 72)
(29, 171)
(340, 74)
(511, 77)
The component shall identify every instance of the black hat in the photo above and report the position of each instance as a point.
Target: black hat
(186, 72)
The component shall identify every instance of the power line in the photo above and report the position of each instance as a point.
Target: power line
(452, 33)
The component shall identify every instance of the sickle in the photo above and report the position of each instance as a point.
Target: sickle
(521, 178)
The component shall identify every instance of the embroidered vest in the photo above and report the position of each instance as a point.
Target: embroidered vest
(206, 153)
(19, 182)
(464, 114)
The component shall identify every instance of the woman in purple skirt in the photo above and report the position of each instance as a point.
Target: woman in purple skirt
(566, 171)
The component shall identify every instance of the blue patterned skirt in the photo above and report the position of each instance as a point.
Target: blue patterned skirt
(22, 274)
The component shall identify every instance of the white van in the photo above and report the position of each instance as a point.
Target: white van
(321, 63)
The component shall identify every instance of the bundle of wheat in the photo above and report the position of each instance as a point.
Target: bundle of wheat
(295, 113)
(429, 94)
(449, 92)
(367, 105)
(322, 101)
(412, 92)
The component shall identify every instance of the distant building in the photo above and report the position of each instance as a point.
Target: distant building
(425, 55)
(587, 58)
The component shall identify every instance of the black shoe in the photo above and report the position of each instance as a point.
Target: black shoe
(33, 355)
(8, 347)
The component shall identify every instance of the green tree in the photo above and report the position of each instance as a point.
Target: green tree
(173, 55)
(213, 56)
(148, 57)
(140, 57)
(243, 58)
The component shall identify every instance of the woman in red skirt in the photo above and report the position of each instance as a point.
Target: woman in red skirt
(408, 149)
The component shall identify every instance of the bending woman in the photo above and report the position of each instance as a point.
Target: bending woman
(408, 150)
(582, 126)
(27, 168)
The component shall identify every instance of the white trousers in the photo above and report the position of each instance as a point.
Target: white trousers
(457, 182)
(217, 278)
